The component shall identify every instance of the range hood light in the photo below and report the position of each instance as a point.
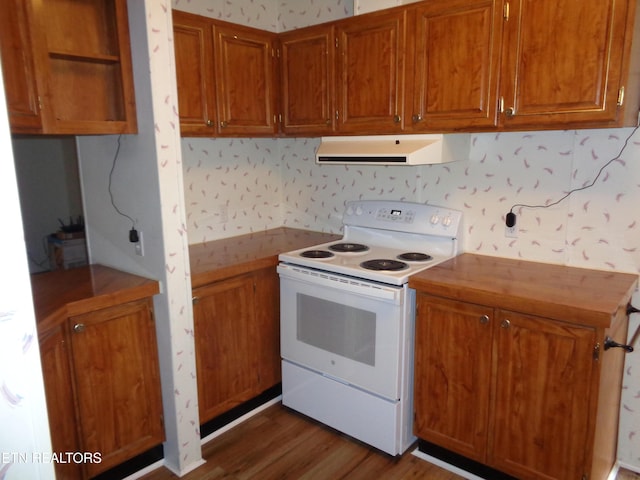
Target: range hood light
(394, 149)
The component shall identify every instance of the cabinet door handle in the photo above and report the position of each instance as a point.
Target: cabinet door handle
(505, 323)
(484, 319)
(611, 343)
(78, 327)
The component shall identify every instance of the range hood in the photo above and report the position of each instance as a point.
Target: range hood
(394, 149)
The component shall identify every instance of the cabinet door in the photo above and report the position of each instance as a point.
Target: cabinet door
(307, 80)
(542, 399)
(267, 284)
(562, 61)
(456, 64)
(115, 366)
(83, 63)
(17, 67)
(226, 353)
(58, 385)
(371, 72)
(452, 374)
(245, 75)
(193, 43)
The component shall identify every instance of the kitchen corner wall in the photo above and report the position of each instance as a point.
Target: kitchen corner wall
(235, 186)
(23, 410)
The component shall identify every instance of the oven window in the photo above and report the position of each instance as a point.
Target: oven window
(336, 328)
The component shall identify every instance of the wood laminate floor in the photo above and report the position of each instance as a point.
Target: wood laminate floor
(280, 444)
(277, 443)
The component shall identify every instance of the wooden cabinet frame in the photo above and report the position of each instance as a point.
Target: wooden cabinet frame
(455, 65)
(226, 78)
(102, 383)
(77, 67)
(237, 335)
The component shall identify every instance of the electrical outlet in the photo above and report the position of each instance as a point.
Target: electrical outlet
(511, 232)
(139, 246)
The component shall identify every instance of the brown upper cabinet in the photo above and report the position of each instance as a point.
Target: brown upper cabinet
(570, 64)
(436, 66)
(457, 53)
(370, 72)
(193, 44)
(307, 69)
(67, 66)
(226, 75)
(17, 66)
(346, 76)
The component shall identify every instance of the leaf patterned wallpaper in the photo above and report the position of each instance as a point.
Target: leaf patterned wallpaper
(236, 186)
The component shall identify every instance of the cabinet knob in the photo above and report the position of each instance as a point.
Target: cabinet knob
(397, 118)
(505, 323)
(417, 118)
(78, 327)
(510, 112)
(484, 319)
(328, 121)
(195, 300)
(223, 124)
(209, 123)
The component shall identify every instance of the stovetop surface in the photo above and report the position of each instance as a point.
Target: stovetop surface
(350, 263)
(387, 230)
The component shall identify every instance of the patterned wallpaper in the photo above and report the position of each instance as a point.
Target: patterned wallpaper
(238, 186)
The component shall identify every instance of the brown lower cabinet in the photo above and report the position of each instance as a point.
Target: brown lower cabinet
(511, 369)
(102, 386)
(236, 329)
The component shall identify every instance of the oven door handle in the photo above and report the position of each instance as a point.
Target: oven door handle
(388, 293)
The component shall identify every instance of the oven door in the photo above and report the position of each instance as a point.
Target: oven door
(349, 330)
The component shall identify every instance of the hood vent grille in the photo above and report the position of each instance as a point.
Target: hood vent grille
(394, 149)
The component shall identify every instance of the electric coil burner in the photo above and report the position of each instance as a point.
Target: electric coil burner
(348, 247)
(347, 318)
(384, 264)
(316, 254)
(414, 257)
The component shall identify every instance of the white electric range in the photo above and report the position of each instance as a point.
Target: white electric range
(347, 318)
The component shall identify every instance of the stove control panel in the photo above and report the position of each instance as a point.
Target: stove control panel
(403, 216)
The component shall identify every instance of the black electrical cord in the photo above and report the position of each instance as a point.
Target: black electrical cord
(133, 233)
(511, 217)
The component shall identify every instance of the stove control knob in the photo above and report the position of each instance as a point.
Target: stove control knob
(349, 210)
(446, 221)
(435, 219)
(359, 211)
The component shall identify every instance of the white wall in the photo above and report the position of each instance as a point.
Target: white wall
(47, 172)
(23, 414)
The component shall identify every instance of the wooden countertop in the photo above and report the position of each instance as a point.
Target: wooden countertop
(577, 295)
(219, 259)
(63, 293)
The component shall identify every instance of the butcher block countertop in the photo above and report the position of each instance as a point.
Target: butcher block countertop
(220, 259)
(60, 294)
(576, 295)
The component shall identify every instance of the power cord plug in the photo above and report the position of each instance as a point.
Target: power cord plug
(133, 236)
